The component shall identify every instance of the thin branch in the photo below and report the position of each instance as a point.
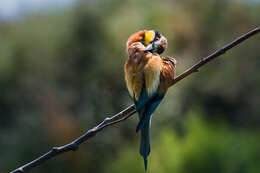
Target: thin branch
(74, 145)
(216, 54)
(125, 114)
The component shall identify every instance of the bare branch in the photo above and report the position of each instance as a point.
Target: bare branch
(216, 54)
(73, 146)
(126, 113)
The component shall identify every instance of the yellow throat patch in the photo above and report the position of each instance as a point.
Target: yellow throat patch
(148, 37)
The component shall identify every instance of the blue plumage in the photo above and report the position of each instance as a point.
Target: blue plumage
(145, 143)
(145, 106)
(149, 108)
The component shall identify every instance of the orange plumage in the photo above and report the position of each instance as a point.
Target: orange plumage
(146, 67)
(147, 76)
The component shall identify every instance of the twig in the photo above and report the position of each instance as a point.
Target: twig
(216, 54)
(125, 114)
(73, 146)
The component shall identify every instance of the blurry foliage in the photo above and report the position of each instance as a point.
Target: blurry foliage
(205, 147)
(61, 73)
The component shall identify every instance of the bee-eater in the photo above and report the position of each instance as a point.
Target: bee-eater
(147, 76)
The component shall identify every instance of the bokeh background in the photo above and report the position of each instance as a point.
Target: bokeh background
(61, 73)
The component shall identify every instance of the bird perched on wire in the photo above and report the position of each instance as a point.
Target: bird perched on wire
(147, 76)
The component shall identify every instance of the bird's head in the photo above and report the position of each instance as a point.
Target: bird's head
(154, 41)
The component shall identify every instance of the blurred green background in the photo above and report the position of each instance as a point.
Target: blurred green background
(61, 73)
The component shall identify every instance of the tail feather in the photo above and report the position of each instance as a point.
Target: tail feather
(145, 143)
(148, 111)
(145, 163)
(145, 115)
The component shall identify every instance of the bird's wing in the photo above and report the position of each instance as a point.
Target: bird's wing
(167, 73)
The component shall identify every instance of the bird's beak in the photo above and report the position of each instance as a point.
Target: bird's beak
(149, 48)
(158, 46)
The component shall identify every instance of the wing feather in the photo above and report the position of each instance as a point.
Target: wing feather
(167, 73)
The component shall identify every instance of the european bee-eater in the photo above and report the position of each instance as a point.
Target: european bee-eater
(147, 77)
